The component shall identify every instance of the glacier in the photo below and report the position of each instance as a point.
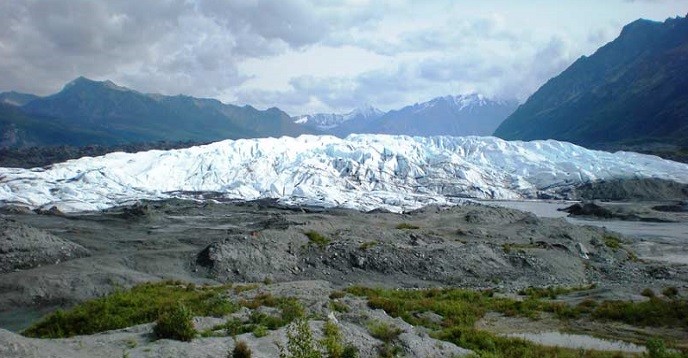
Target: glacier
(362, 171)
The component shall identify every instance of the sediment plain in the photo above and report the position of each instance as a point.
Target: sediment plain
(69, 258)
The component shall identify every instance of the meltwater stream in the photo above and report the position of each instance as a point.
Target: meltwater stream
(652, 241)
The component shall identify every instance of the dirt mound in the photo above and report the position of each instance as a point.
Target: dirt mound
(24, 247)
(471, 245)
(646, 189)
(674, 208)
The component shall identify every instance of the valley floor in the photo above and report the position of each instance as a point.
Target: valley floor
(53, 260)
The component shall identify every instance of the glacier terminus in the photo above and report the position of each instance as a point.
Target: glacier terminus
(361, 171)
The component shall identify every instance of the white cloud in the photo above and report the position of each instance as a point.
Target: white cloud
(307, 55)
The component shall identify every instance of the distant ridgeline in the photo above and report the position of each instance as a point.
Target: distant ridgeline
(89, 112)
(631, 94)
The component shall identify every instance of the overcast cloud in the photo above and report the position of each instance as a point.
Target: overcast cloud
(308, 56)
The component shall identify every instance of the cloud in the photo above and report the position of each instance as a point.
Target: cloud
(305, 55)
(167, 46)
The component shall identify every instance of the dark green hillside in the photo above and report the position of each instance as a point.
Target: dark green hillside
(632, 93)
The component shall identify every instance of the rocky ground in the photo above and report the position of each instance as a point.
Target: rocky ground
(52, 260)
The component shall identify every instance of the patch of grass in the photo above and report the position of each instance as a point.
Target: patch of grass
(551, 292)
(339, 307)
(175, 323)
(367, 245)
(259, 323)
(125, 308)
(383, 331)
(461, 309)
(300, 343)
(612, 242)
(337, 294)
(332, 340)
(243, 288)
(260, 331)
(655, 312)
(317, 238)
(656, 348)
(670, 292)
(407, 226)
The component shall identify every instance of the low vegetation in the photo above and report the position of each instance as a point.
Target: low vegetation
(124, 308)
(612, 242)
(175, 323)
(461, 309)
(172, 305)
(301, 344)
(368, 245)
(655, 312)
(551, 292)
(260, 323)
(407, 226)
(241, 350)
(317, 238)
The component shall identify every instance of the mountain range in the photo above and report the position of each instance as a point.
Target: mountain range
(462, 115)
(631, 93)
(87, 112)
(94, 112)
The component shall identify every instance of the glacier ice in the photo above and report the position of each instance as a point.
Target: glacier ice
(362, 171)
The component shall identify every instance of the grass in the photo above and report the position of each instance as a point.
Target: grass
(551, 292)
(317, 238)
(461, 309)
(407, 226)
(175, 323)
(260, 323)
(367, 245)
(383, 331)
(141, 304)
(612, 242)
(655, 312)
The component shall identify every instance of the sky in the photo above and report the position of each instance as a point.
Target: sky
(308, 56)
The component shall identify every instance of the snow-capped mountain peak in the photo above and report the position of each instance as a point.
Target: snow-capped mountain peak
(366, 111)
(326, 121)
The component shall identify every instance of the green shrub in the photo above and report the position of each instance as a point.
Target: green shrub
(655, 312)
(300, 342)
(332, 340)
(350, 351)
(648, 293)
(407, 226)
(175, 323)
(551, 292)
(670, 292)
(259, 323)
(140, 304)
(260, 331)
(339, 306)
(337, 294)
(612, 242)
(656, 348)
(383, 331)
(317, 238)
(241, 350)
